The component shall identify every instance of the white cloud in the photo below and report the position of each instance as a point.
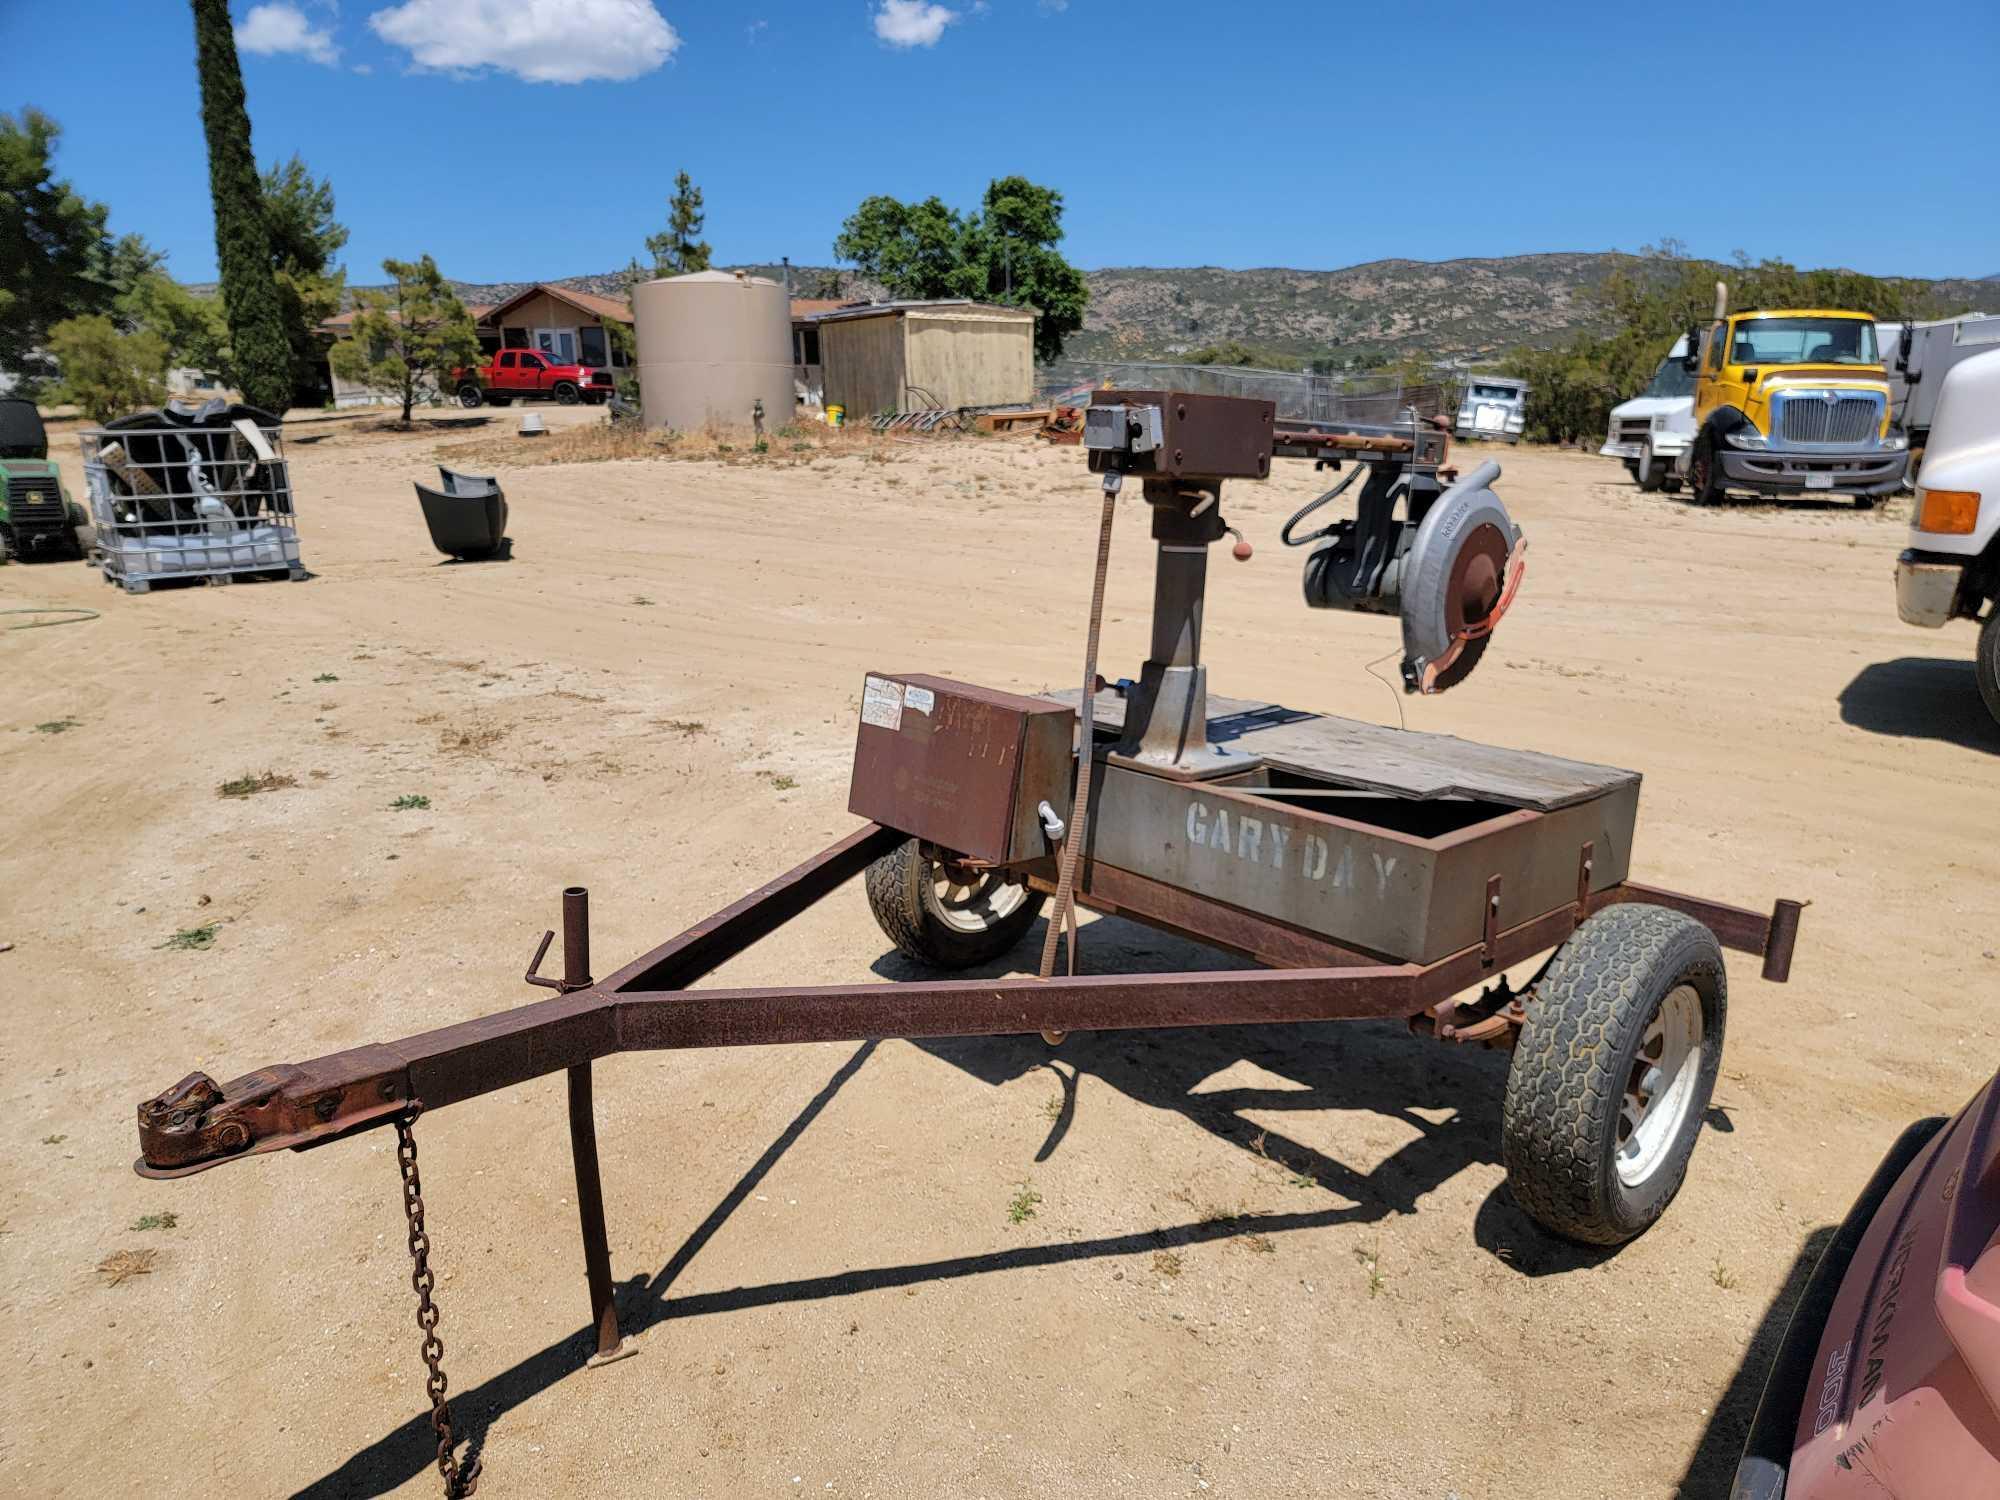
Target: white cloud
(542, 41)
(279, 29)
(912, 23)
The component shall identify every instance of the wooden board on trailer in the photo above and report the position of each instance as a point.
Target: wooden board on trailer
(1400, 762)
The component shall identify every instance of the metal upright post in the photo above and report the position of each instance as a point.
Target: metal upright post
(611, 1344)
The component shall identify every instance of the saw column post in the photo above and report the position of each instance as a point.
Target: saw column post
(611, 1343)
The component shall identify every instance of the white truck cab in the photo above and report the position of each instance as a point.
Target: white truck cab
(1654, 428)
(1951, 568)
(1494, 407)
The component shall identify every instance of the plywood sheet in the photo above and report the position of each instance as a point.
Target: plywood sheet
(1401, 762)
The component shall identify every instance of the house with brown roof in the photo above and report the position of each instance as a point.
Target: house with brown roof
(573, 327)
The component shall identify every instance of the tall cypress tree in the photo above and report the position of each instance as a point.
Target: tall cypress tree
(262, 357)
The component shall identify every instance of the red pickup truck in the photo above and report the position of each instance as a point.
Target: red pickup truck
(527, 374)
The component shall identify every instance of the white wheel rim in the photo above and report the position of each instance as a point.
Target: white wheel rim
(1659, 1092)
(973, 905)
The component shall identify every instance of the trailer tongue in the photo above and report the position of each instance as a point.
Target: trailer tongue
(1376, 872)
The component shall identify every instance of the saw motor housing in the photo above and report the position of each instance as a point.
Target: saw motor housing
(1446, 560)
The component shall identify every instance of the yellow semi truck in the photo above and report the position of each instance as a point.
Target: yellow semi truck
(1790, 401)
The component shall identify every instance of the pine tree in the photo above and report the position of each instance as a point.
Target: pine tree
(677, 251)
(305, 237)
(409, 337)
(242, 239)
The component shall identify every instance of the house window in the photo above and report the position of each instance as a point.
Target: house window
(489, 341)
(591, 347)
(807, 342)
(513, 338)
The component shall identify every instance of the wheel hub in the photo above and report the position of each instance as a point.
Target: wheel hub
(1661, 1087)
(973, 900)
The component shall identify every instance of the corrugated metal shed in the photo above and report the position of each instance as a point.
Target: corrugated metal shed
(898, 356)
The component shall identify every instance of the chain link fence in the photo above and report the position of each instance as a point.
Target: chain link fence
(1300, 396)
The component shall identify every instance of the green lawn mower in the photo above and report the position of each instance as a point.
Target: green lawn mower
(36, 517)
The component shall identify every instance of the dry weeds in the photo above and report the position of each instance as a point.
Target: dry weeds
(116, 1270)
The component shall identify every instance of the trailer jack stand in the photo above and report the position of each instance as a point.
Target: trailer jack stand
(612, 1345)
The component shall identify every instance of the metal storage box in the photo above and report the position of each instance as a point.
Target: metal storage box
(964, 767)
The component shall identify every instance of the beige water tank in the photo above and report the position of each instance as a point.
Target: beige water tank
(713, 344)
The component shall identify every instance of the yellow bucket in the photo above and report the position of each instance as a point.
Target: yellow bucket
(836, 415)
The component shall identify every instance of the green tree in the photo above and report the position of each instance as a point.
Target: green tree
(916, 250)
(305, 237)
(106, 371)
(1005, 253)
(1570, 394)
(193, 328)
(409, 336)
(1234, 352)
(250, 295)
(125, 262)
(1016, 234)
(53, 246)
(675, 250)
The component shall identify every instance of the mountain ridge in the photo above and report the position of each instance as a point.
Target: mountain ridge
(1467, 308)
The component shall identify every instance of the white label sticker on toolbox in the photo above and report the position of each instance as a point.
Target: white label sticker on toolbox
(882, 703)
(919, 700)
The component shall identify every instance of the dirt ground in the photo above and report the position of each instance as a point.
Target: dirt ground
(1259, 1262)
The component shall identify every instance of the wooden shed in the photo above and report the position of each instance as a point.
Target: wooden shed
(900, 356)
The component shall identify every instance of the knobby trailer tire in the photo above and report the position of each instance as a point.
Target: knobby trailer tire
(1579, 1057)
(903, 896)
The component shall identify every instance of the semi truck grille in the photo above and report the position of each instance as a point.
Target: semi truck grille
(1634, 429)
(34, 502)
(1846, 419)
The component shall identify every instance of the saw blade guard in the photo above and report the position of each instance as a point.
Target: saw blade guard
(1461, 574)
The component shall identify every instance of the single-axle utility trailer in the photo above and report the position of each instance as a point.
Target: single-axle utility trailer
(1375, 873)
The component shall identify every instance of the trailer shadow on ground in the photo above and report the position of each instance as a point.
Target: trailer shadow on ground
(1921, 697)
(1371, 1066)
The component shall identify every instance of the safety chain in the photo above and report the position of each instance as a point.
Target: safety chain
(458, 1480)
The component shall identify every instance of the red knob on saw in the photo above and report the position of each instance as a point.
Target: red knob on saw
(1241, 552)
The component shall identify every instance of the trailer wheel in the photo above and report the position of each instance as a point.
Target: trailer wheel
(1612, 1073)
(1986, 661)
(947, 918)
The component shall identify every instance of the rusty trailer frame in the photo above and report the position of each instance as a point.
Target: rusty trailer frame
(647, 1006)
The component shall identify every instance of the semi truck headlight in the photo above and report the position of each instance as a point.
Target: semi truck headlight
(1948, 512)
(1745, 436)
(1659, 424)
(1895, 442)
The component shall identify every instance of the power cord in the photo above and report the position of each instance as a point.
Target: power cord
(1370, 670)
(76, 617)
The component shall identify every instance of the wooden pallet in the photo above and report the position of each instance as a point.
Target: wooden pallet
(1008, 421)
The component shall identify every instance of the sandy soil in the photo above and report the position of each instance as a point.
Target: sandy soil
(1263, 1262)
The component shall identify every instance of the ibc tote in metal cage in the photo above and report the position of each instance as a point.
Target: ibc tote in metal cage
(191, 493)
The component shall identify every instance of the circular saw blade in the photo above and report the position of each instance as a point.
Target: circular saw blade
(1462, 573)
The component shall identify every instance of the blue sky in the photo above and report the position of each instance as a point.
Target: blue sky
(1310, 135)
